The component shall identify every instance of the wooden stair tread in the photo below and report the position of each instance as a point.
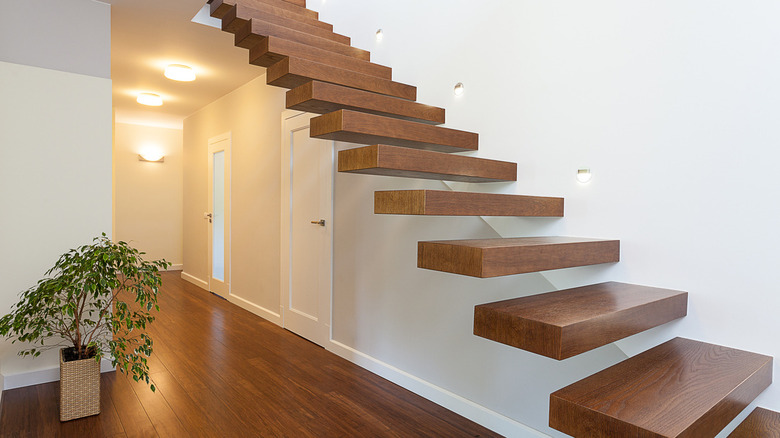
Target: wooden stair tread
(293, 72)
(362, 128)
(238, 20)
(270, 50)
(682, 388)
(250, 33)
(449, 203)
(221, 7)
(321, 98)
(565, 323)
(486, 258)
(414, 163)
(286, 6)
(761, 423)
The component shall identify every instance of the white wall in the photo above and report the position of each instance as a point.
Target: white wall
(673, 104)
(252, 114)
(55, 178)
(55, 137)
(148, 196)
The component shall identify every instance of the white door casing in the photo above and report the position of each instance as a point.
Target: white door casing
(306, 245)
(218, 216)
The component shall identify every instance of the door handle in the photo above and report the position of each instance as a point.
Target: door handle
(320, 222)
(208, 216)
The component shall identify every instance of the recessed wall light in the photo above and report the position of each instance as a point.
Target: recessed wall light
(180, 72)
(459, 88)
(150, 99)
(584, 175)
(380, 34)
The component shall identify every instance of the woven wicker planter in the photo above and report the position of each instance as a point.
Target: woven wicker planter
(79, 388)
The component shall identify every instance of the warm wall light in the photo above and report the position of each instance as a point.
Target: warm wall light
(150, 99)
(152, 157)
(180, 72)
(459, 88)
(584, 175)
(380, 34)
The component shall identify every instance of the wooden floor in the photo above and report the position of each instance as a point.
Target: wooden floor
(222, 372)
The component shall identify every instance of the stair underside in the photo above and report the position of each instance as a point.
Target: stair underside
(761, 423)
(448, 203)
(486, 258)
(270, 50)
(321, 98)
(219, 8)
(362, 128)
(238, 20)
(681, 388)
(293, 72)
(413, 163)
(566, 323)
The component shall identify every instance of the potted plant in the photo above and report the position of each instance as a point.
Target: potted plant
(82, 305)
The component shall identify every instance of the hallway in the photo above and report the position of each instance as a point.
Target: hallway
(221, 371)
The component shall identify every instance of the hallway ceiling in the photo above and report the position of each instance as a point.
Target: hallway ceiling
(146, 36)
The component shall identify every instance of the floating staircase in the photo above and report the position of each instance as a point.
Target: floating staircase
(681, 388)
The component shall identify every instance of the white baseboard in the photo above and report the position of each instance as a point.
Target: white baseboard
(194, 280)
(466, 408)
(178, 267)
(42, 376)
(257, 310)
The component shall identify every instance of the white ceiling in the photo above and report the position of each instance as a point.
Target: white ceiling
(147, 35)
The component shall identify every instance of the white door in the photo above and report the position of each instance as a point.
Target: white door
(219, 214)
(307, 230)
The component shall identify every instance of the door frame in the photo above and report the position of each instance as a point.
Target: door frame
(227, 136)
(326, 295)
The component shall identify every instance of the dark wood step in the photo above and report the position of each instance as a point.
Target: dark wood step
(220, 7)
(681, 388)
(321, 98)
(486, 258)
(568, 322)
(761, 423)
(270, 50)
(293, 72)
(414, 163)
(238, 20)
(448, 203)
(362, 128)
(301, 3)
(252, 32)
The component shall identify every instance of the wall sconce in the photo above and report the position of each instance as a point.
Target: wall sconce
(459, 88)
(151, 157)
(380, 34)
(584, 175)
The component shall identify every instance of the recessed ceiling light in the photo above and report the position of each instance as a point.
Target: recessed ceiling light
(150, 99)
(179, 72)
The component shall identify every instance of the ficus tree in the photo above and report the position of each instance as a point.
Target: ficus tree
(96, 301)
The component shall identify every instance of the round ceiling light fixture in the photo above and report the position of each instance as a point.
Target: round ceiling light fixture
(180, 72)
(149, 99)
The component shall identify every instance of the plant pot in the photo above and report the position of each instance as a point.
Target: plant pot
(79, 388)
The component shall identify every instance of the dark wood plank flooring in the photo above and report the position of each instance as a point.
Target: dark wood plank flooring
(221, 371)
